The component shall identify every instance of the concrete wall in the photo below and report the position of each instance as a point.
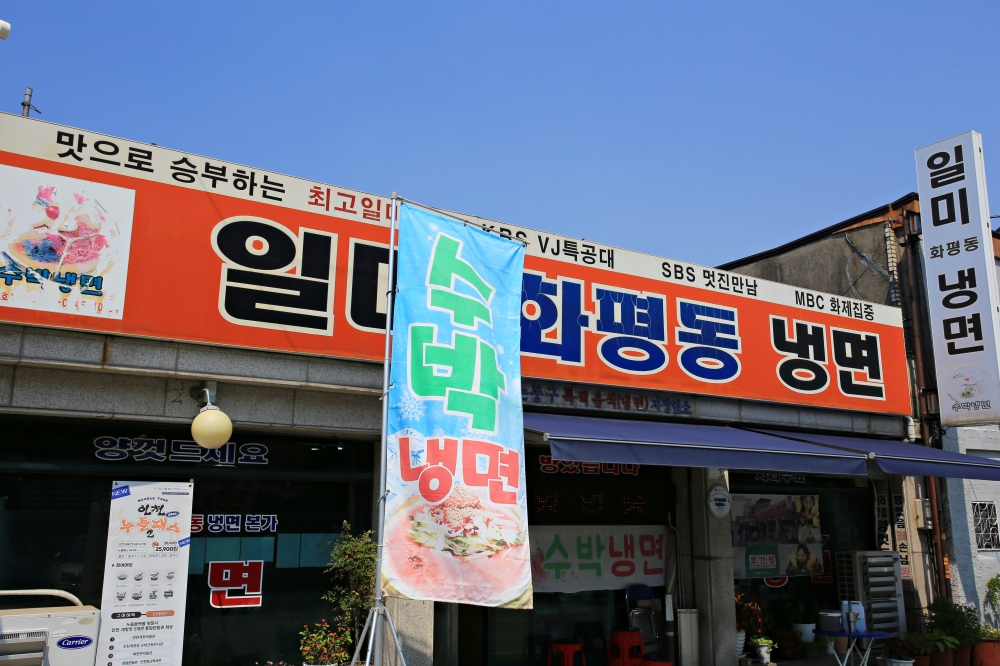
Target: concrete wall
(970, 567)
(86, 375)
(705, 559)
(851, 263)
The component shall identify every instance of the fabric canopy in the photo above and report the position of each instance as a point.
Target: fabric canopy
(895, 457)
(685, 445)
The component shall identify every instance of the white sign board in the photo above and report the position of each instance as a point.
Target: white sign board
(961, 286)
(145, 574)
(598, 557)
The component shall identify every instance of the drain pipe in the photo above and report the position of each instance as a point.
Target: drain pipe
(911, 227)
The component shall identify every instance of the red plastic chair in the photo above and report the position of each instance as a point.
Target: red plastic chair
(566, 653)
(625, 648)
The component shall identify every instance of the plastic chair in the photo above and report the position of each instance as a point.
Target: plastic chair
(566, 652)
(536, 647)
(625, 648)
(642, 618)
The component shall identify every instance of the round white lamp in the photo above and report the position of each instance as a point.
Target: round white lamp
(211, 429)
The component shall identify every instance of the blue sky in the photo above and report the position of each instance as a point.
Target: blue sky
(697, 131)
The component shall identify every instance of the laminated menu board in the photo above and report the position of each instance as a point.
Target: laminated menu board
(145, 574)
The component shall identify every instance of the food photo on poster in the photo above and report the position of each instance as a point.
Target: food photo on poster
(65, 243)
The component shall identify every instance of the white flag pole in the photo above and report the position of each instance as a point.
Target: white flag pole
(379, 614)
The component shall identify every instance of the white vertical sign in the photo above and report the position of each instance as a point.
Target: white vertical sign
(961, 286)
(145, 574)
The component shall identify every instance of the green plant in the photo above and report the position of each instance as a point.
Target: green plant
(750, 615)
(815, 649)
(352, 563)
(993, 594)
(791, 643)
(896, 649)
(951, 619)
(323, 645)
(763, 640)
(923, 645)
(989, 633)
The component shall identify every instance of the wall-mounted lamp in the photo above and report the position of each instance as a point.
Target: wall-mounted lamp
(211, 429)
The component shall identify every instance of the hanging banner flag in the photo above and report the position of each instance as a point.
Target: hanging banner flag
(960, 272)
(456, 525)
(145, 573)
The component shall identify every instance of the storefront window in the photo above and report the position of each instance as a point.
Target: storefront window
(564, 493)
(277, 499)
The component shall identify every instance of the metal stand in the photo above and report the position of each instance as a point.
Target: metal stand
(377, 612)
(375, 622)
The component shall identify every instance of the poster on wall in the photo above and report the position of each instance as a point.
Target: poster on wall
(600, 557)
(64, 244)
(456, 525)
(962, 297)
(776, 535)
(294, 265)
(145, 574)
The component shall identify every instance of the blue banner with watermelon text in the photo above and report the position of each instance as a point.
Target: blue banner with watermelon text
(456, 521)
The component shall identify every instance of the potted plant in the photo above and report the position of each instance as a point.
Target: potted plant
(763, 645)
(805, 626)
(987, 651)
(749, 620)
(816, 649)
(897, 653)
(924, 646)
(324, 646)
(352, 563)
(960, 622)
(791, 644)
(969, 633)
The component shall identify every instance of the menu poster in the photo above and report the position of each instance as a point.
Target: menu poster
(776, 535)
(145, 574)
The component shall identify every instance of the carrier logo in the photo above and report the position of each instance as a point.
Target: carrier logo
(224, 578)
(74, 642)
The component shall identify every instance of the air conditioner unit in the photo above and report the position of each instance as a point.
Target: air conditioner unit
(873, 578)
(60, 636)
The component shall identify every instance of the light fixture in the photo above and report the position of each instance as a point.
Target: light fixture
(4, 29)
(211, 429)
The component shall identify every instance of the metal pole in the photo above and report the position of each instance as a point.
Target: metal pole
(26, 104)
(379, 627)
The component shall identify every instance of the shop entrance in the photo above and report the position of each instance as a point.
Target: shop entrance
(594, 503)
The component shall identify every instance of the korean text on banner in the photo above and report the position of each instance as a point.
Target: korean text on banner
(456, 524)
(961, 278)
(776, 535)
(600, 557)
(145, 572)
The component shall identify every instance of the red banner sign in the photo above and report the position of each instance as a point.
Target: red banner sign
(109, 235)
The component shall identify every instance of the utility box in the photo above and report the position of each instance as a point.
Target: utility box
(873, 578)
(922, 514)
(59, 636)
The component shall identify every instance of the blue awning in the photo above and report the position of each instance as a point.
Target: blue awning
(591, 439)
(905, 458)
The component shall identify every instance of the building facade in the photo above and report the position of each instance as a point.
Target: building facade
(876, 256)
(269, 292)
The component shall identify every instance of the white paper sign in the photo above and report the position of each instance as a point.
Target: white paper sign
(598, 557)
(145, 574)
(960, 272)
